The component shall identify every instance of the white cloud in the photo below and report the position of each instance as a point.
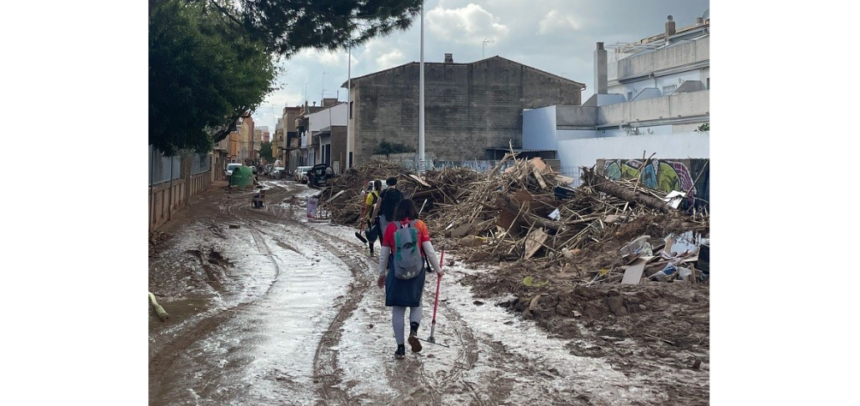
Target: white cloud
(390, 59)
(555, 22)
(534, 32)
(325, 58)
(467, 25)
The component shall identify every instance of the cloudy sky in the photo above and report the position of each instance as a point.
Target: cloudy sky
(557, 36)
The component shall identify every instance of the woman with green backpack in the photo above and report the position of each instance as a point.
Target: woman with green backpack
(407, 242)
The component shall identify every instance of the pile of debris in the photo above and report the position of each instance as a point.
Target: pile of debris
(343, 198)
(528, 217)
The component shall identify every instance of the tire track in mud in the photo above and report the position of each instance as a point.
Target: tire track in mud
(427, 386)
(326, 360)
(326, 371)
(163, 360)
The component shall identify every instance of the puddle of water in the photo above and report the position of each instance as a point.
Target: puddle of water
(181, 309)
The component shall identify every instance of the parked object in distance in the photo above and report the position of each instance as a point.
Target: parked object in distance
(301, 174)
(277, 172)
(316, 176)
(230, 168)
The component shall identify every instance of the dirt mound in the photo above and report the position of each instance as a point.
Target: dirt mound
(675, 317)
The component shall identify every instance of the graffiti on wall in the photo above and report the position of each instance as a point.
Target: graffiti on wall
(657, 174)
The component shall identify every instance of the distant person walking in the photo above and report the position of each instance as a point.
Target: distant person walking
(387, 203)
(366, 221)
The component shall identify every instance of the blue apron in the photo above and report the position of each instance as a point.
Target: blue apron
(403, 292)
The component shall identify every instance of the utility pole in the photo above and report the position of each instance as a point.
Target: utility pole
(322, 91)
(348, 163)
(421, 100)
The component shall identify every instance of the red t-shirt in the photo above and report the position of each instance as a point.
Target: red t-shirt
(388, 237)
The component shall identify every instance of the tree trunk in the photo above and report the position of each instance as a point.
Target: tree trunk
(607, 186)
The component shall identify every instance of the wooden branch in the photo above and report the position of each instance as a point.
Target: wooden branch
(639, 176)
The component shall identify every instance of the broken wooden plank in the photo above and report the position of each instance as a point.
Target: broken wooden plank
(534, 241)
(633, 273)
(327, 201)
(540, 180)
(538, 164)
(613, 218)
(564, 180)
(418, 180)
(504, 201)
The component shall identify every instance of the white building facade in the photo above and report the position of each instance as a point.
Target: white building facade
(652, 95)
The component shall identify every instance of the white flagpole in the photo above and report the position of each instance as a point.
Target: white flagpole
(421, 100)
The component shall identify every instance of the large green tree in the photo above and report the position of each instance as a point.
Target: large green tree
(203, 73)
(288, 26)
(210, 61)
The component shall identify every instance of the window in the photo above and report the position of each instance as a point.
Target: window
(629, 96)
(667, 90)
(709, 83)
(350, 110)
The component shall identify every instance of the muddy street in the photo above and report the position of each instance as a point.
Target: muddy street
(268, 308)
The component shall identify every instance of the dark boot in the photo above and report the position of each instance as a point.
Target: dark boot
(413, 337)
(401, 352)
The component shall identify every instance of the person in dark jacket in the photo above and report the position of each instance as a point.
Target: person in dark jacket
(403, 293)
(387, 203)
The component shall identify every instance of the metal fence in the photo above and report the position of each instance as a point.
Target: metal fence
(160, 167)
(475, 165)
(200, 163)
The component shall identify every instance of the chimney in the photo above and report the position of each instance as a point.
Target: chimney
(329, 101)
(700, 20)
(600, 74)
(670, 28)
(449, 58)
(315, 103)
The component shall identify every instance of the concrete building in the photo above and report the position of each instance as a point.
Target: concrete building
(227, 150)
(291, 138)
(246, 138)
(329, 126)
(651, 95)
(470, 108)
(307, 144)
(278, 141)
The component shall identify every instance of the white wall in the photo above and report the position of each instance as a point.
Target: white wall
(661, 82)
(539, 128)
(586, 152)
(575, 134)
(680, 54)
(336, 115)
(676, 105)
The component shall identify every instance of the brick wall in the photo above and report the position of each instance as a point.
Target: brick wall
(468, 107)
